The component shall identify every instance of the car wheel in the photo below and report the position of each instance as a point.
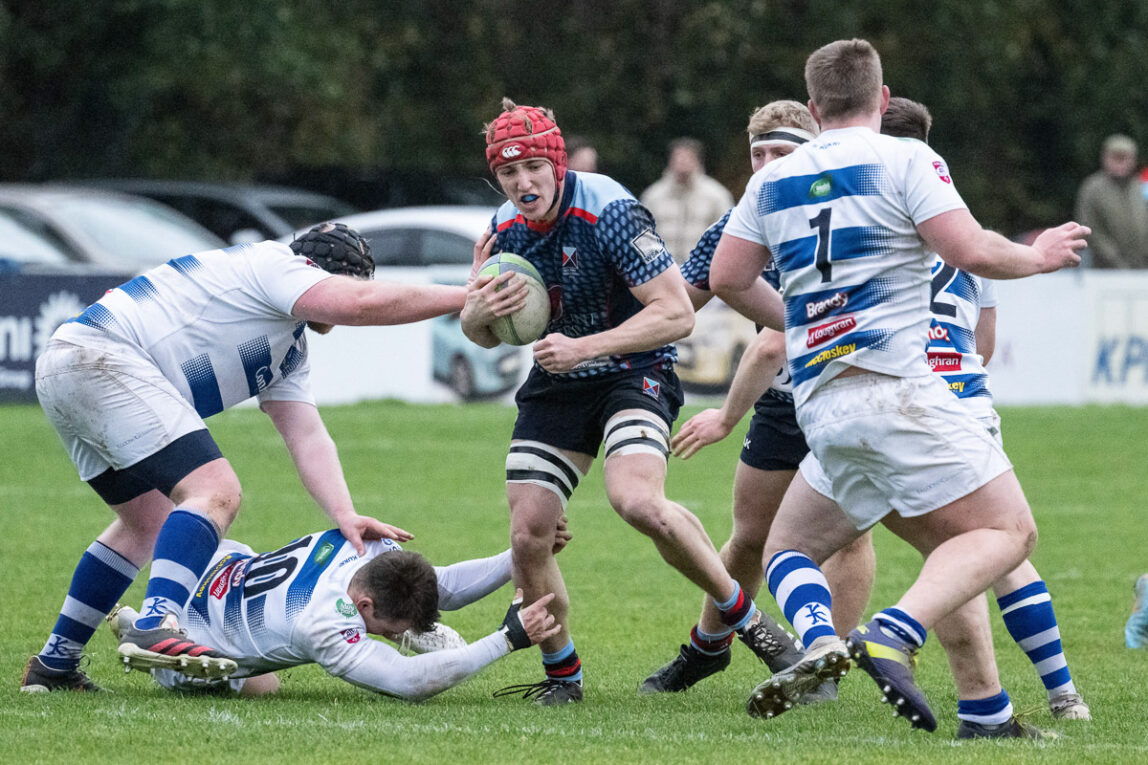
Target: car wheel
(461, 377)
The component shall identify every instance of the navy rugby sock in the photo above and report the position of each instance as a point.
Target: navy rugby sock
(183, 550)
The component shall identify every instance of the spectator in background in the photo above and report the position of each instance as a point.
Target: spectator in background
(581, 156)
(1111, 203)
(685, 201)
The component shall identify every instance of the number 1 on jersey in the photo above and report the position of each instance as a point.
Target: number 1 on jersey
(821, 260)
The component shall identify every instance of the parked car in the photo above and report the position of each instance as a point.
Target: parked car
(441, 239)
(422, 236)
(708, 358)
(235, 212)
(113, 231)
(371, 188)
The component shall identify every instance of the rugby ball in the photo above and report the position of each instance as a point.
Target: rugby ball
(527, 324)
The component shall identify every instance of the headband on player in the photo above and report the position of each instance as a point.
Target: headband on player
(525, 132)
(788, 135)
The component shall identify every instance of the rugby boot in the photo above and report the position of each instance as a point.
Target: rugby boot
(167, 647)
(890, 662)
(690, 666)
(827, 660)
(41, 679)
(548, 693)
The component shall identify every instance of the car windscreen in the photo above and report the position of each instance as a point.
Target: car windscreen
(19, 242)
(303, 215)
(137, 233)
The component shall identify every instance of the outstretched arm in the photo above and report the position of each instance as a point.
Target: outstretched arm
(379, 667)
(960, 241)
(758, 368)
(317, 462)
(343, 300)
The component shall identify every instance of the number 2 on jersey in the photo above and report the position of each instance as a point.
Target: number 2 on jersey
(821, 260)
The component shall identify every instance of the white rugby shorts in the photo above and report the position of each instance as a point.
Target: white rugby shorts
(880, 443)
(110, 408)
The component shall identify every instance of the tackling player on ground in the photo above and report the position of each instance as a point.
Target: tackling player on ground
(316, 599)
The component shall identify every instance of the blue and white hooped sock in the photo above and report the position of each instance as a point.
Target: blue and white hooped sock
(1030, 620)
(183, 551)
(902, 626)
(737, 610)
(802, 594)
(994, 710)
(563, 664)
(100, 579)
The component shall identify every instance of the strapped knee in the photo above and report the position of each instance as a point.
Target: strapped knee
(637, 433)
(542, 465)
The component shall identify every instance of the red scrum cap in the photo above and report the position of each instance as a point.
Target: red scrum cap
(525, 132)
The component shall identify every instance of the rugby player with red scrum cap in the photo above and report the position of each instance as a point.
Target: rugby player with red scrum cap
(603, 372)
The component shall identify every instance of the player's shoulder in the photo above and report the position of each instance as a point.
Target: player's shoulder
(599, 194)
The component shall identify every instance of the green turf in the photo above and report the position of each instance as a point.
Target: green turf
(437, 472)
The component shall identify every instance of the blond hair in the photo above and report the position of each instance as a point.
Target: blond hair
(844, 79)
(781, 114)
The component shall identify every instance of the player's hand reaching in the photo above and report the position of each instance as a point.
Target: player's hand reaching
(1060, 247)
(524, 627)
(356, 528)
(704, 428)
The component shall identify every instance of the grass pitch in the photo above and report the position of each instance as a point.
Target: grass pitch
(437, 471)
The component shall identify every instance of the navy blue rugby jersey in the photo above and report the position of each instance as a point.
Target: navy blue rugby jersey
(602, 244)
(696, 270)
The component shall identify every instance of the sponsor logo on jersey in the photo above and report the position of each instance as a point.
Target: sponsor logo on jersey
(348, 559)
(222, 583)
(958, 386)
(239, 572)
(937, 332)
(821, 307)
(648, 244)
(651, 388)
(511, 151)
(352, 635)
(324, 552)
(942, 171)
(944, 362)
(831, 353)
(821, 187)
(825, 332)
(344, 608)
(570, 258)
(203, 583)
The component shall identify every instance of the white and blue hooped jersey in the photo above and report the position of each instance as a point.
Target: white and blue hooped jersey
(218, 324)
(956, 303)
(603, 244)
(696, 272)
(839, 217)
(287, 607)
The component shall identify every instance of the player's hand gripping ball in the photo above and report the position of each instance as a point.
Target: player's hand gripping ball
(527, 324)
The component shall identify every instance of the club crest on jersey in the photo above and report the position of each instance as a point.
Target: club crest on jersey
(942, 171)
(324, 552)
(648, 244)
(821, 187)
(352, 635)
(651, 388)
(570, 258)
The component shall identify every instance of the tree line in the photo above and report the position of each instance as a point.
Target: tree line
(1022, 92)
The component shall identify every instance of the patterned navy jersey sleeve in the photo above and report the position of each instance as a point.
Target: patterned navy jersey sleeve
(626, 235)
(696, 270)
